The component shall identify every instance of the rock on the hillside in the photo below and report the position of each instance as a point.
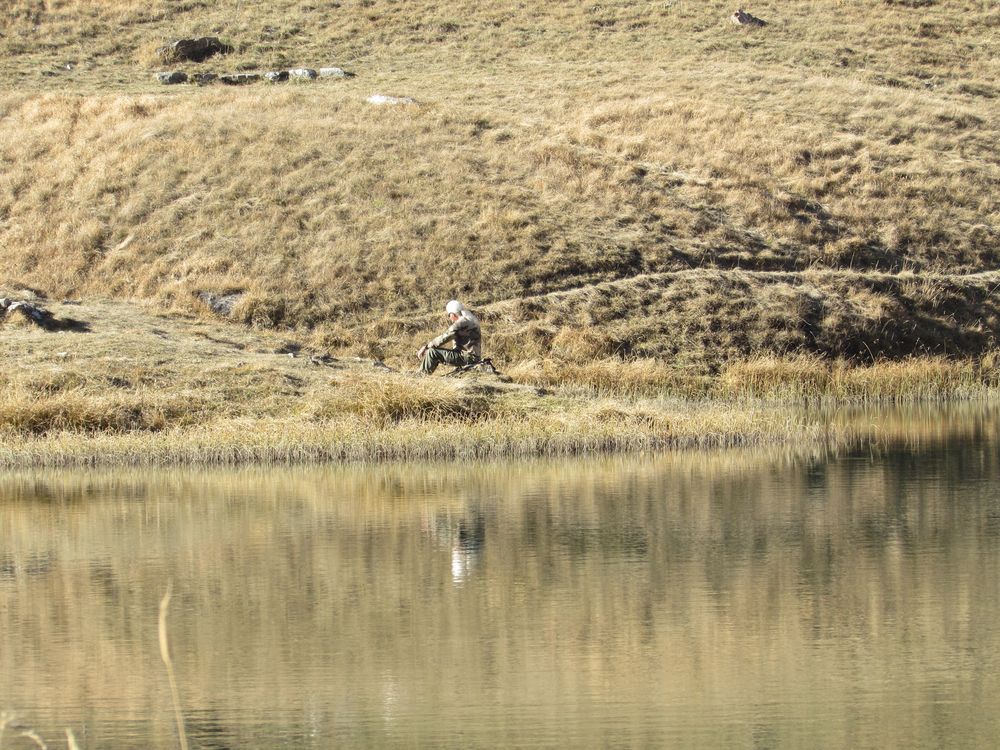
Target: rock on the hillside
(239, 79)
(306, 73)
(742, 18)
(193, 50)
(204, 78)
(334, 73)
(172, 76)
(10, 307)
(276, 76)
(382, 99)
(222, 304)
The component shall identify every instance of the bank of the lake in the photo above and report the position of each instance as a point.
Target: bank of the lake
(126, 385)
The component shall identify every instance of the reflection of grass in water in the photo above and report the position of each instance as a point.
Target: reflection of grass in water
(18, 729)
(21, 730)
(168, 662)
(388, 531)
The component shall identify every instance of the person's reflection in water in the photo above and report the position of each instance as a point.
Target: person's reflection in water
(467, 547)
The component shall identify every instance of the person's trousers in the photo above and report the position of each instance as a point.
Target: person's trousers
(435, 357)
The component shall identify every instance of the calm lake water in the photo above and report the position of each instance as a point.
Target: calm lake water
(736, 599)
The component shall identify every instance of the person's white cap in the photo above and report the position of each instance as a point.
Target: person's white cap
(454, 307)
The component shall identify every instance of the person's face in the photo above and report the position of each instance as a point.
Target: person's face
(453, 317)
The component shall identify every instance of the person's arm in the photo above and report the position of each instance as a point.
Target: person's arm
(444, 338)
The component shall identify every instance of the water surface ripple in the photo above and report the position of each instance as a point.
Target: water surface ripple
(731, 599)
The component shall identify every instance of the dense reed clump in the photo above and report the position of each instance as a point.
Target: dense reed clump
(613, 376)
(792, 379)
(394, 398)
(805, 378)
(83, 414)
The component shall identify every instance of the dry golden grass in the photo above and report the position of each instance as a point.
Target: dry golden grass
(639, 199)
(807, 378)
(555, 147)
(145, 388)
(613, 376)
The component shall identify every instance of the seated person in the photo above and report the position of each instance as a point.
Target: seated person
(465, 332)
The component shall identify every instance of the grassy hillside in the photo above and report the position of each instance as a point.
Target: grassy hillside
(597, 179)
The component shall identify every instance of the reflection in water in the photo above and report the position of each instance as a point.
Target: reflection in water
(746, 599)
(467, 550)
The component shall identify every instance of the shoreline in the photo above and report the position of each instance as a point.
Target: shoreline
(142, 388)
(680, 426)
(597, 426)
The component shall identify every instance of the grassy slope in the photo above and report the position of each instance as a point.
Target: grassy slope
(569, 166)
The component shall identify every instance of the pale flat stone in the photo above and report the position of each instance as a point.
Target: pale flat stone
(334, 73)
(382, 99)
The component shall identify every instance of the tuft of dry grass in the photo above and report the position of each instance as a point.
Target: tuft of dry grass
(807, 378)
(626, 378)
(390, 399)
(74, 412)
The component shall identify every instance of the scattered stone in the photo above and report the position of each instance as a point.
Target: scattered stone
(193, 50)
(72, 302)
(334, 73)
(273, 76)
(35, 314)
(742, 18)
(239, 79)
(172, 76)
(381, 99)
(221, 304)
